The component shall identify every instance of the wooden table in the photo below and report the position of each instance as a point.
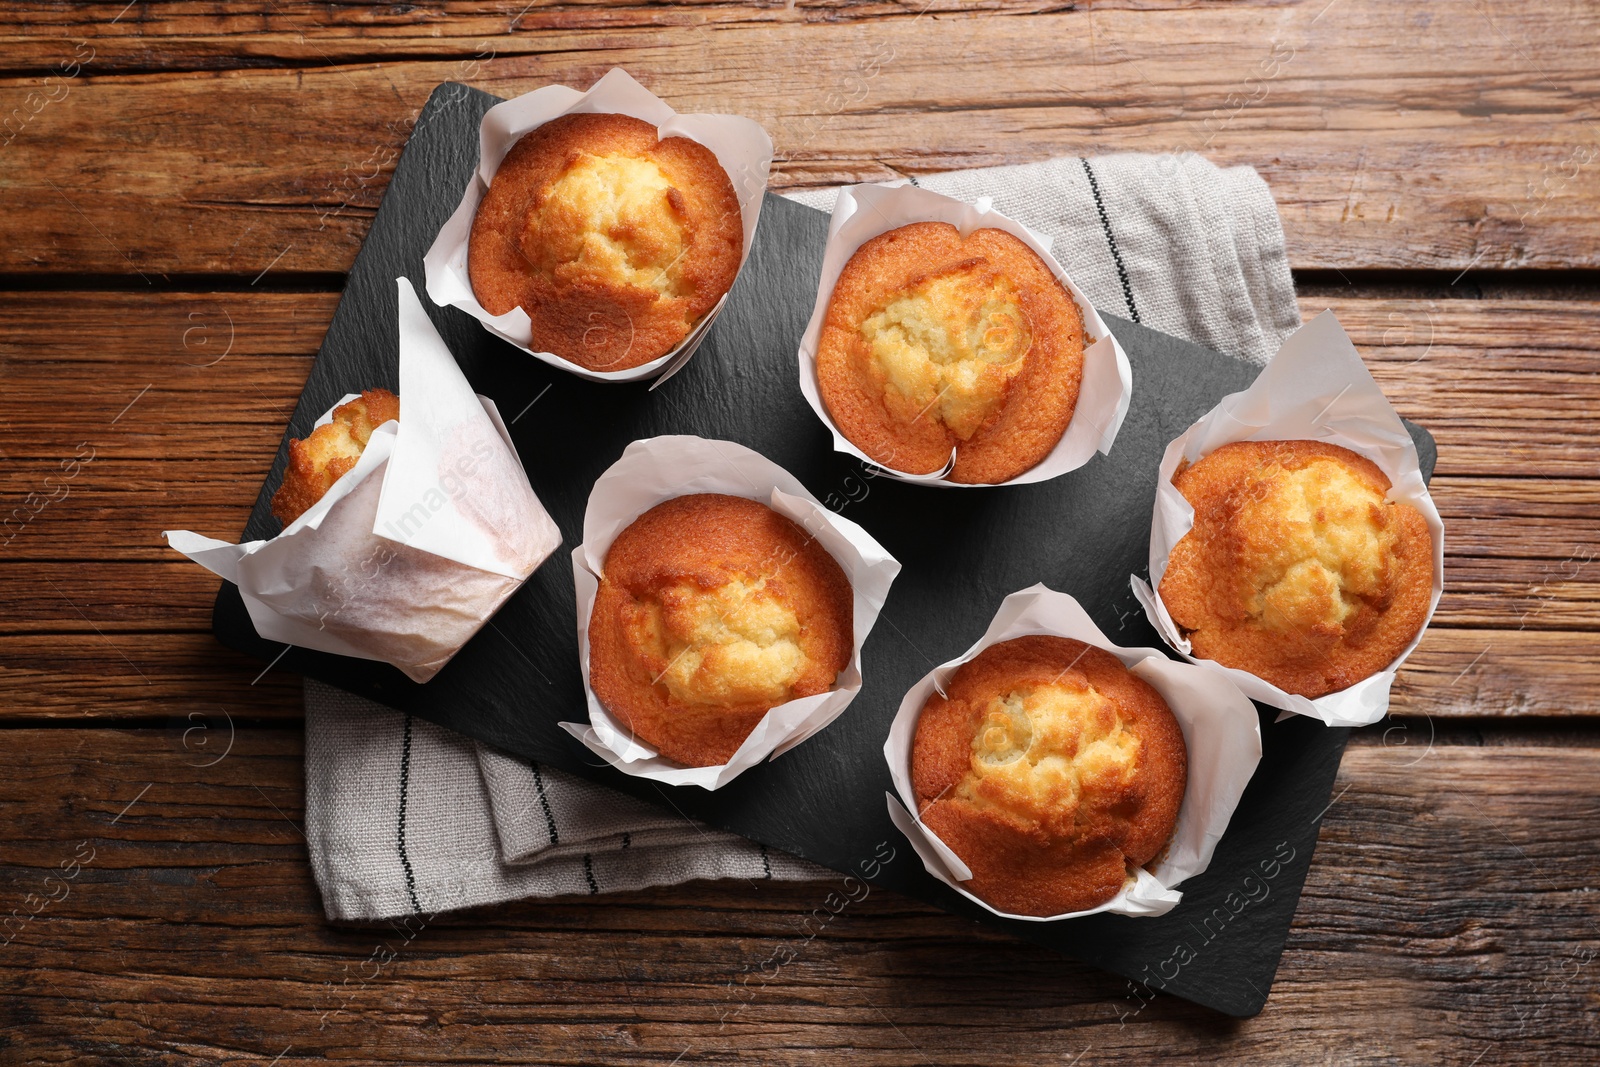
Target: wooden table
(184, 182)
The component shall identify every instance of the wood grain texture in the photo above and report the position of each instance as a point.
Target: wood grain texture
(192, 177)
(1505, 385)
(168, 675)
(173, 595)
(222, 35)
(113, 677)
(1509, 672)
(1447, 136)
(108, 623)
(194, 935)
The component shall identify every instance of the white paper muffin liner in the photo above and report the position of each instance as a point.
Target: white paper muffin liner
(1315, 388)
(1220, 729)
(861, 213)
(740, 145)
(661, 468)
(446, 481)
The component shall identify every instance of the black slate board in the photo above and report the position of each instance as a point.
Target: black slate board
(963, 551)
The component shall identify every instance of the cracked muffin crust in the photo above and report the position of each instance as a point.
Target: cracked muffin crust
(711, 611)
(1297, 569)
(327, 452)
(933, 342)
(1052, 771)
(613, 242)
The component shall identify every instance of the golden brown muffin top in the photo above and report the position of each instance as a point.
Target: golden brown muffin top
(933, 342)
(329, 451)
(1297, 569)
(1051, 771)
(712, 610)
(949, 346)
(614, 242)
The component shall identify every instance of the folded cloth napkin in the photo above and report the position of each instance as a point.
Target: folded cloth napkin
(406, 818)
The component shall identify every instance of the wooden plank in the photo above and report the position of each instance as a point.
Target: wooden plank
(174, 440)
(94, 677)
(88, 331)
(123, 600)
(90, 677)
(172, 595)
(1544, 518)
(150, 413)
(1542, 595)
(1500, 673)
(1506, 386)
(218, 34)
(117, 507)
(1488, 131)
(195, 934)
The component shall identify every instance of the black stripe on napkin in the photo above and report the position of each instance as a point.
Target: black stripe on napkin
(1111, 239)
(400, 831)
(544, 802)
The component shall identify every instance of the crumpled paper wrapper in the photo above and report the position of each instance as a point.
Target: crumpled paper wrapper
(861, 213)
(740, 144)
(1220, 728)
(1315, 388)
(413, 549)
(662, 468)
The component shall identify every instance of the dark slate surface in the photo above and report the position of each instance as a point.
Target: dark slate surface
(962, 551)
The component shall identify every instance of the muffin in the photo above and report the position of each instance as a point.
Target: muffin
(329, 451)
(615, 243)
(1297, 569)
(403, 605)
(1052, 771)
(712, 610)
(933, 343)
